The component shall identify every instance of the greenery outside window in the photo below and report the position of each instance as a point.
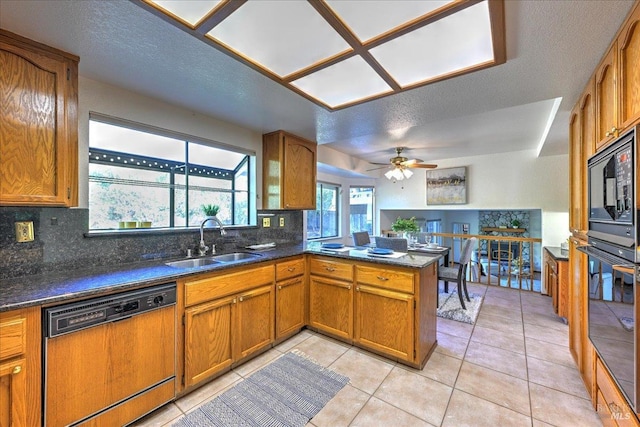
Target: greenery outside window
(361, 209)
(145, 177)
(324, 221)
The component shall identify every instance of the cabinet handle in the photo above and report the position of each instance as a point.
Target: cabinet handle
(612, 132)
(241, 299)
(234, 301)
(291, 269)
(330, 269)
(16, 370)
(358, 289)
(384, 279)
(349, 287)
(279, 287)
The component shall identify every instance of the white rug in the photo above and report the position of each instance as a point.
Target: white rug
(450, 307)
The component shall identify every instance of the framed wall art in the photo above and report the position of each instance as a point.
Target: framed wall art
(447, 186)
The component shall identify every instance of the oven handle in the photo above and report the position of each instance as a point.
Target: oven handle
(605, 257)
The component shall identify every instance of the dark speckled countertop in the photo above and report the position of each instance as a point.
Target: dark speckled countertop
(48, 289)
(557, 253)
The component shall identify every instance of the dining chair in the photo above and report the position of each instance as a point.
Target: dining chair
(459, 274)
(398, 244)
(361, 238)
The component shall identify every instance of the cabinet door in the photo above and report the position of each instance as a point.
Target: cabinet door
(207, 341)
(575, 172)
(37, 156)
(13, 393)
(289, 306)
(299, 182)
(606, 99)
(256, 312)
(391, 333)
(331, 306)
(629, 66)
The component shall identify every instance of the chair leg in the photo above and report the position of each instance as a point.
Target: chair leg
(446, 287)
(464, 285)
(460, 295)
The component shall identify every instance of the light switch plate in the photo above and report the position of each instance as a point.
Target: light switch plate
(266, 222)
(281, 221)
(24, 231)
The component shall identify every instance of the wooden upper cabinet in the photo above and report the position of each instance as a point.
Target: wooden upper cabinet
(606, 99)
(38, 124)
(289, 171)
(629, 70)
(575, 171)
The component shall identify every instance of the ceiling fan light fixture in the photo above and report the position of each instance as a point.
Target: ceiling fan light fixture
(398, 174)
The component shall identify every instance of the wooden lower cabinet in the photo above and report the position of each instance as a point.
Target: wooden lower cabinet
(228, 317)
(556, 275)
(20, 361)
(611, 406)
(331, 306)
(391, 333)
(290, 297)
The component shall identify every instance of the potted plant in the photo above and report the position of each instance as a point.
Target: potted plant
(210, 210)
(406, 226)
(516, 223)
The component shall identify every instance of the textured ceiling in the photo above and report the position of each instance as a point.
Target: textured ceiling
(552, 49)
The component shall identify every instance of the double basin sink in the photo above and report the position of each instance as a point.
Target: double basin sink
(211, 260)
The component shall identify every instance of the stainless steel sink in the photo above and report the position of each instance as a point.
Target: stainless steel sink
(235, 256)
(215, 259)
(193, 263)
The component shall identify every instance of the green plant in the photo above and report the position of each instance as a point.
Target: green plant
(407, 225)
(516, 223)
(211, 210)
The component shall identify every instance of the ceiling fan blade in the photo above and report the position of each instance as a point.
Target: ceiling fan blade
(381, 167)
(381, 164)
(423, 166)
(412, 162)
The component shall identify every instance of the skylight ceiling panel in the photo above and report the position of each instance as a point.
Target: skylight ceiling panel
(283, 37)
(456, 42)
(368, 19)
(190, 11)
(343, 83)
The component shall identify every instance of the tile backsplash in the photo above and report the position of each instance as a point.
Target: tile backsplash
(61, 244)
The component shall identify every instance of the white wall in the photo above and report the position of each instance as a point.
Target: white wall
(516, 180)
(102, 98)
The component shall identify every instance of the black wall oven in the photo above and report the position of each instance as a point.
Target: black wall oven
(613, 261)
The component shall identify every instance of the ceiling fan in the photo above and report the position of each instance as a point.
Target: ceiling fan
(399, 166)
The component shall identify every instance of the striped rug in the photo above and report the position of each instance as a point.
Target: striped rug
(287, 392)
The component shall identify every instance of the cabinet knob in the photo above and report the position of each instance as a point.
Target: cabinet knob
(358, 289)
(16, 370)
(384, 279)
(291, 269)
(234, 301)
(349, 287)
(280, 287)
(241, 299)
(330, 269)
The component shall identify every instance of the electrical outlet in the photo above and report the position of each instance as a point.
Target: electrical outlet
(266, 222)
(281, 221)
(24, 231)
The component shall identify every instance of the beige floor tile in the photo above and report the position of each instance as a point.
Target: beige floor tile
(365, 372)
(513, 314)
(550, 352)
(466, 410)
(451, 345)
(256, 363)
(505, 361)
(538, 423)
(561, 409)
(503, 340)
(207, 391)
(422, 397)
(542, 333)
(559, 377)
(166, 414)
(324, 351)
(342, 409)
(294, 340)
(494, 386)
(377, 413)
(505, 303)
(529, 307)
(441, 368)
(548, 321)
(500, 324)
(452, 327)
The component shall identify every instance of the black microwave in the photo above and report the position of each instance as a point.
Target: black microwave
(612, 197)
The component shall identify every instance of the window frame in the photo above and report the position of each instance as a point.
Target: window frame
(338, 190)
(249, 162)
(373, 208)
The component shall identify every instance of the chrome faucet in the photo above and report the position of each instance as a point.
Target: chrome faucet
(202, 249)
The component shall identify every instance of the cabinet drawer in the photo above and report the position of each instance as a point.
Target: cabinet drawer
(385, 278)
(13, 337)
(197, 291)
(287, 269)
(330, 268)
(615, 403)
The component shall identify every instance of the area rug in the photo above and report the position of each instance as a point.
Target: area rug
(450, 307)
(287, 392)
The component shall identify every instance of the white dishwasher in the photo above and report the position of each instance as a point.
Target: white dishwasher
(109, 360)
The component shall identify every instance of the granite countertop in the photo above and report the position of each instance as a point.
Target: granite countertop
(557, 253)
(46, 289)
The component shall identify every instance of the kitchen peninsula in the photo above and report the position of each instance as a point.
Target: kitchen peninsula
(385, 305)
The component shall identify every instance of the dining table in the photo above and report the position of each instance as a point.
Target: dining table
(432, 250)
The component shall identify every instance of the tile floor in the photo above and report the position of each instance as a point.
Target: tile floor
(513, 367)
